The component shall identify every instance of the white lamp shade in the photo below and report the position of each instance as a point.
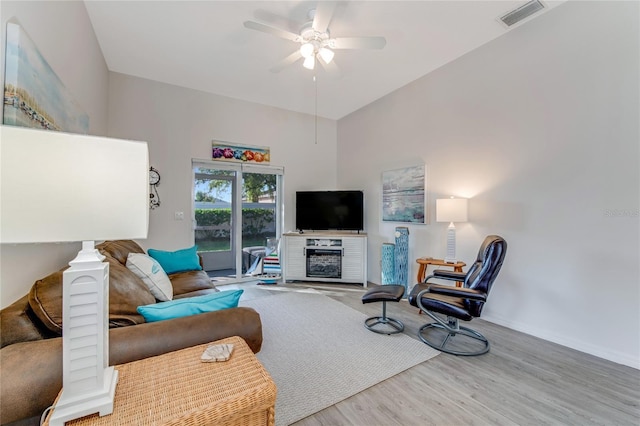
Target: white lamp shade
(451, 210)
(68, 187)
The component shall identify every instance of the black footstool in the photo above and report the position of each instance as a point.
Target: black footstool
(384, 294)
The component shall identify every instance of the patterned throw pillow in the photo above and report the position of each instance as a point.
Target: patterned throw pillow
(150, 271)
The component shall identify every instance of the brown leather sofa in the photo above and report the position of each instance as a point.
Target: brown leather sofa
(31, 342)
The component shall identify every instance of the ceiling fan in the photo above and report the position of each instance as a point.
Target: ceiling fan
(315, 39)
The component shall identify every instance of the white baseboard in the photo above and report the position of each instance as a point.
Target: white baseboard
(579, 345)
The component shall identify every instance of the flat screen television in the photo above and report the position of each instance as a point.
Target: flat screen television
(330, 210)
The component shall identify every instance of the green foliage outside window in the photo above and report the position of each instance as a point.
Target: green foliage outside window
(254, 220)
(213, 217)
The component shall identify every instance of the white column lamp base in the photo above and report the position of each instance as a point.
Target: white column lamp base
(99, 401)
(451, 244)
(88, 383)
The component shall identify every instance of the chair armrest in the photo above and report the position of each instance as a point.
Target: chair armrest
(466, 293)
(449, 275)
(442, 274)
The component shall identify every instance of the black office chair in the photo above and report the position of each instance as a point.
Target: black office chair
(459, 303)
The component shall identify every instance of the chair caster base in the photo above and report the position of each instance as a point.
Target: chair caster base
(463, 332)
(372, 322)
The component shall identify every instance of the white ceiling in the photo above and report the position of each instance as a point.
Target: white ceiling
(203, 45)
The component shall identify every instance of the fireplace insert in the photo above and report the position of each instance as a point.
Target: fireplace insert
(324, 262)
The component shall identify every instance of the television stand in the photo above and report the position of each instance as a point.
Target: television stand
(328, 256)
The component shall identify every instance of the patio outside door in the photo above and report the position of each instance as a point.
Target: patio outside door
(214, 206)
(236, 209)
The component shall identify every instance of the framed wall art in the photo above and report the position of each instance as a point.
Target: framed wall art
(34, 96)
(226, 151)
(404, 195)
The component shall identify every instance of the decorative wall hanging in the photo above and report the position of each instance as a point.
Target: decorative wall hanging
(154, 181)
(404, 195)
(34, 96)
(402, 258)
(225, 151)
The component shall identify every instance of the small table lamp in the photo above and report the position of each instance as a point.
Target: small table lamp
(60, 187)
(451, 210)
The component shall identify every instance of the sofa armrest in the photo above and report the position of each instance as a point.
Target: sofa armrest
(18, 324)
(31, 378)
(128, 344)
(190, 281)
(32, 371)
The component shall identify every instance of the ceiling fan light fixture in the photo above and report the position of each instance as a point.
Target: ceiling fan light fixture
(326, 55)
(309, 62)
(315, 40)
(307, 50)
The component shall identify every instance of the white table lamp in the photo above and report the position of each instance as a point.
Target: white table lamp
(451, 210)
(60, 187)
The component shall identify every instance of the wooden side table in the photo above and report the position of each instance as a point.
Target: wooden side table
(176, 388)
(424, 263)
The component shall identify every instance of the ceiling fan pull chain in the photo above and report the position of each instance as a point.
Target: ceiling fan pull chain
(315, 83)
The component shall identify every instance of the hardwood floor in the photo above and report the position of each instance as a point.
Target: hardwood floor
(523, 380)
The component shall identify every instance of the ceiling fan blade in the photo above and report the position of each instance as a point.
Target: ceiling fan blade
(273, 31)
(277, 21)
(286, 61)
(323, 15)
(358, 43)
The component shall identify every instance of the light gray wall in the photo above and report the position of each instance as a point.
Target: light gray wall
(539, 128)
(179, 124)
(62, 32)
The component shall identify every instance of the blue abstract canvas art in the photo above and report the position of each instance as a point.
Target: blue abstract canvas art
(404, 195)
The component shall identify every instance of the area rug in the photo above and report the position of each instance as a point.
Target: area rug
(319, 353)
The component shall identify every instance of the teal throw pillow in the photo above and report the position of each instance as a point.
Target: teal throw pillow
(190, 305)
(177, 261)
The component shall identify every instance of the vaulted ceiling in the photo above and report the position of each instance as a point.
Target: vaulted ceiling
(203, 45)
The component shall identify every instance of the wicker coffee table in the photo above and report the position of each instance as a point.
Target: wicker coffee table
(178, 389)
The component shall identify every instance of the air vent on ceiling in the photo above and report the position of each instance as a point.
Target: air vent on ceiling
(524, 11)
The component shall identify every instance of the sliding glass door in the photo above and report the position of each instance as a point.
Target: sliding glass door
(237, 211)
(213, 207)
